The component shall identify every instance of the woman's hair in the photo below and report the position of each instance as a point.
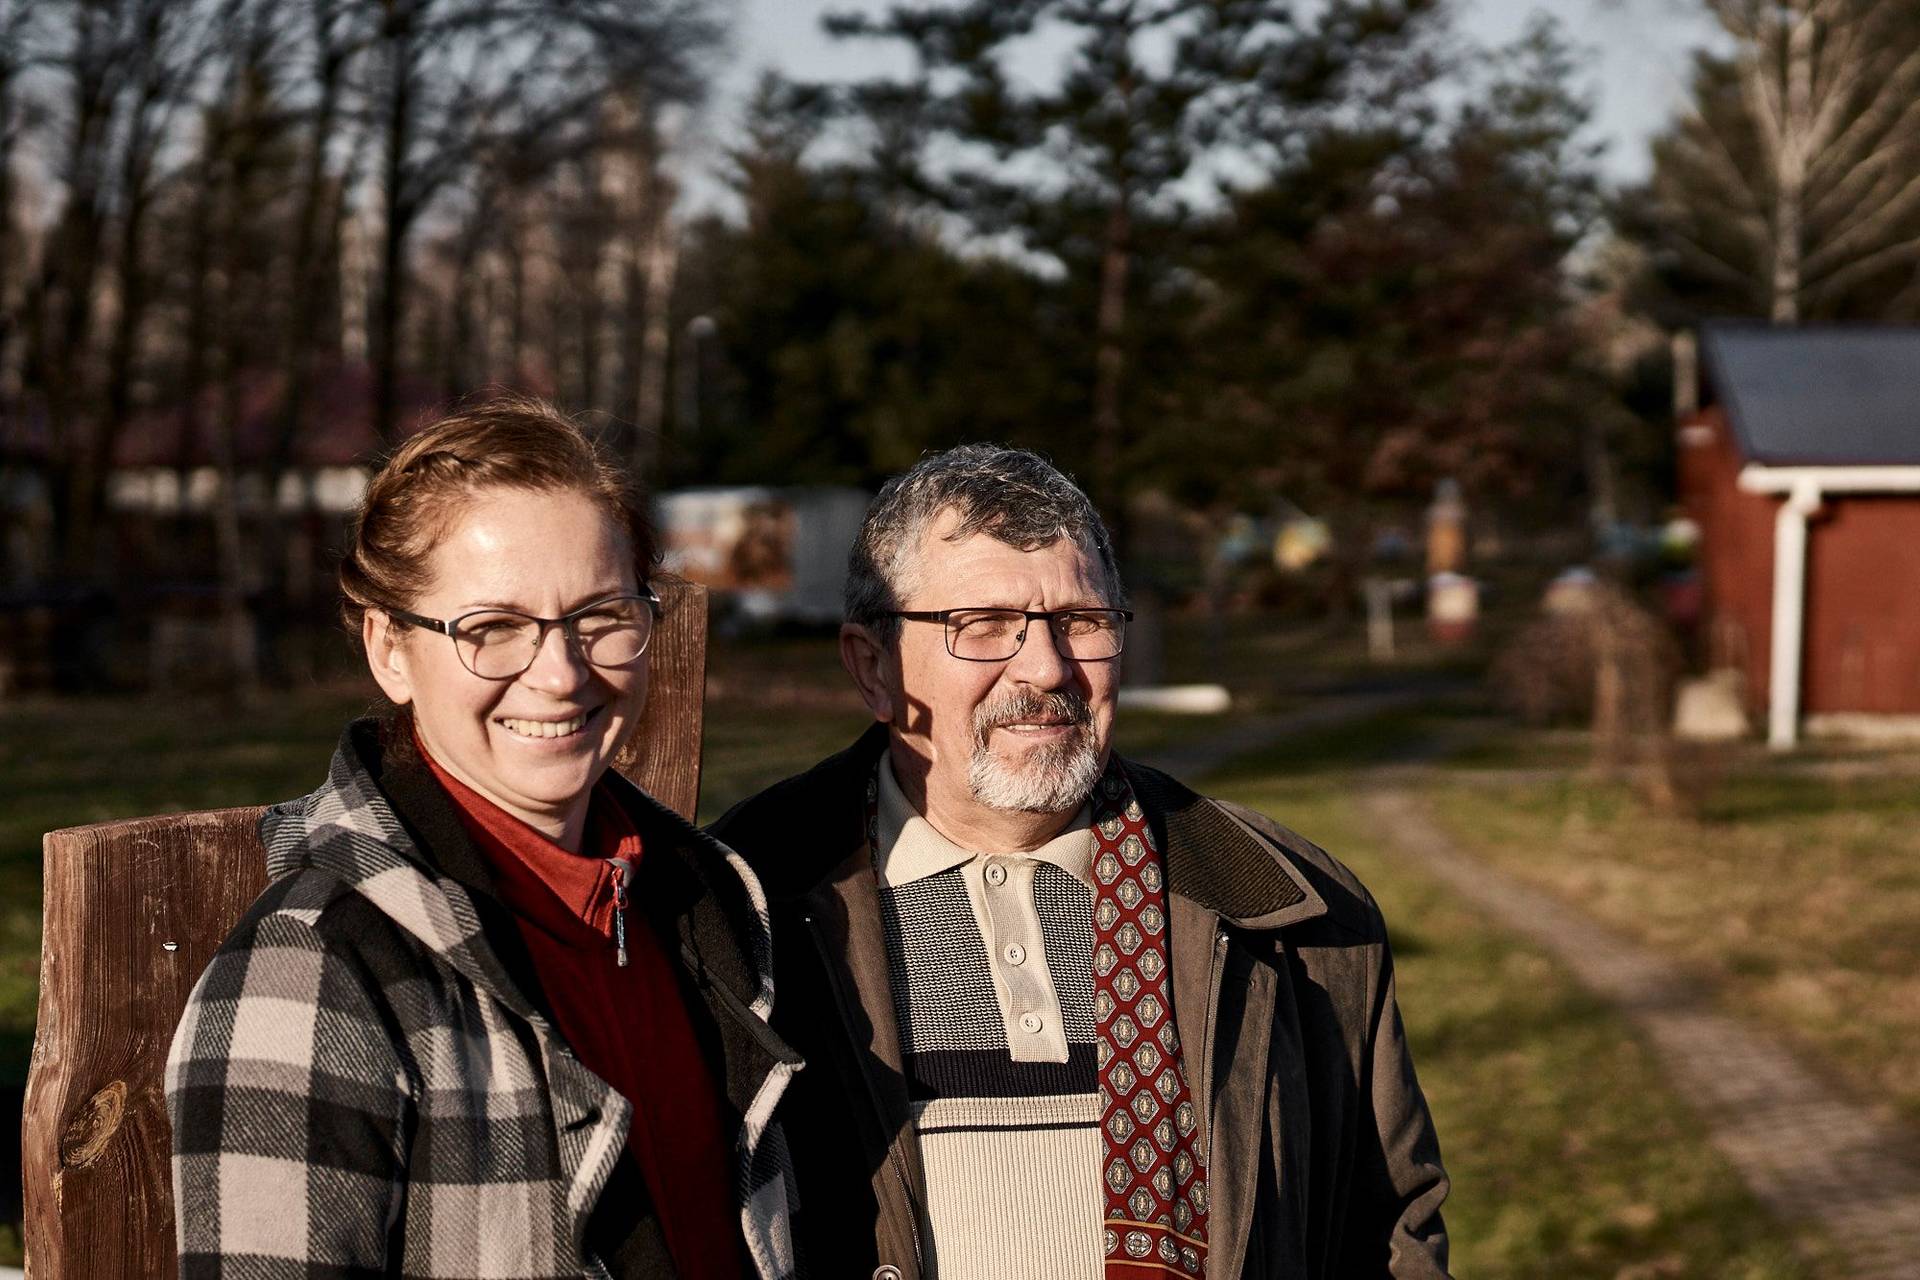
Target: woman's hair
(512, 442)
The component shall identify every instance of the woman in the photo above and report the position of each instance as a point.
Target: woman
(498, 1012)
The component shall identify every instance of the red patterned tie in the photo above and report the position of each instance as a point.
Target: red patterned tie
(1156, 1215)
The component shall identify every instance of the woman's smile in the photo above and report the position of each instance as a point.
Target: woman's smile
(546, 728)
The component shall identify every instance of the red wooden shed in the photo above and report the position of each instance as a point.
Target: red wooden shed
(1802, 467)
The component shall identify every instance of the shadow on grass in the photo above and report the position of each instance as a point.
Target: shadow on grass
(1387, 738)
(1775, 795)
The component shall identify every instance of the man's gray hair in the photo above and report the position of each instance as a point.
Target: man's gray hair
(1011, 495)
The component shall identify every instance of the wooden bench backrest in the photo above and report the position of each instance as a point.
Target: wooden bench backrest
(133, 911)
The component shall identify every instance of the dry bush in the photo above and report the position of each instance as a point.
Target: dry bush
(1613, 663)
(1544, 675)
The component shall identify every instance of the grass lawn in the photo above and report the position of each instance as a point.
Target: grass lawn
(1569, 1155)
(1796, 889)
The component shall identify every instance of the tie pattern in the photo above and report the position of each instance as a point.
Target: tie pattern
(1156, 1190)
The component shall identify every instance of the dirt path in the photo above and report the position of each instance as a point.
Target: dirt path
(1806, 1151)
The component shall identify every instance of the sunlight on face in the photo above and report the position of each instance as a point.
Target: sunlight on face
(1029, 734)
(535, 744)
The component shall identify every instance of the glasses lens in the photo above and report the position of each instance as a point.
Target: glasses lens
(496, 645)
(985, 635)
(614, 632)
(1090, 634)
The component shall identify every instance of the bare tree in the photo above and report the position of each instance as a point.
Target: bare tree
(333, 33)
(128, 67)
(206, 162)
(453, 78)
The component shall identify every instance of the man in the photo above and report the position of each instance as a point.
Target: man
(1063, 1018)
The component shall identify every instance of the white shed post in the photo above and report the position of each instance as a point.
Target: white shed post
(1789, 612)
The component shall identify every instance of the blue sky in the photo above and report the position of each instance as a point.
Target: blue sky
(1637, 63)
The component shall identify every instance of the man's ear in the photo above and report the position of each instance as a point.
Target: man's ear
(386, 657)
(869, 663)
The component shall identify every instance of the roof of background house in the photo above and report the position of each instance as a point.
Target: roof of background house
(1822, 396)
(336, 428)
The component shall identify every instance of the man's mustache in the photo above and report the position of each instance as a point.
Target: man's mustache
(1022, 708)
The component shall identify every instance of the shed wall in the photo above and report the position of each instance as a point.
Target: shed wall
(1862, 642)
(1736, 552)
(1863, 607)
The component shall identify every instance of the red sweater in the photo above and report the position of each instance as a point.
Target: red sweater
(630, 1026)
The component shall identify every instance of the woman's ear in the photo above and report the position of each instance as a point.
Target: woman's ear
(386, 656)
(867, 661)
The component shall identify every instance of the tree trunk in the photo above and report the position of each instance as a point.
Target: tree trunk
(62, 323)
(9, 384)
(236, 615)
(307, 275)
(393, 242)
(1110, 326)
(517, 250)
(304, 272)
(1794, 155)
(124, 345)
(660, 258)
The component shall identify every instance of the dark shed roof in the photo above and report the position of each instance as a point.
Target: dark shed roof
(1818, 397)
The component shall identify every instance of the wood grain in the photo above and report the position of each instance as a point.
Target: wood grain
(133, 911)
(663, 756)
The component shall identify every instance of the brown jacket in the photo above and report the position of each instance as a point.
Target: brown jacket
(1321, 1156)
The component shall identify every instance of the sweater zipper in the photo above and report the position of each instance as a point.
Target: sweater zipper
(620, 871)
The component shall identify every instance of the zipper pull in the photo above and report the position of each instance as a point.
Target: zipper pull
(620, 870)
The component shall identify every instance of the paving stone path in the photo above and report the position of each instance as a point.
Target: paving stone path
(1806, 1151)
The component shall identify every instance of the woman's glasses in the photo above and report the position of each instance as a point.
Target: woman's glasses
(499, 644)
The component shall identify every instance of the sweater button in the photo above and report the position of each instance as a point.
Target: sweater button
(886, 1271)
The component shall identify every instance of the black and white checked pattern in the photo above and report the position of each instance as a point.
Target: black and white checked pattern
(357, 1087)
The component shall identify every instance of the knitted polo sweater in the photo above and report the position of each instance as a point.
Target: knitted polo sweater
(989, 959)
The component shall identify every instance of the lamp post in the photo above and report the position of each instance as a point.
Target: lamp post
(693, 370)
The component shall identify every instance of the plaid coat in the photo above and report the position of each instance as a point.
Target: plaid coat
(367, 1079)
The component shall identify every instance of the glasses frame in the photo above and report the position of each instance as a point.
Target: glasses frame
(569, 624)
(1032, 615)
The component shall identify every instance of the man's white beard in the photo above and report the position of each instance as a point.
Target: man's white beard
(1052, 778)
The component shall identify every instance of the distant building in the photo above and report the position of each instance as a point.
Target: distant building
(769, 554)
(157, 565)
(1802, 467)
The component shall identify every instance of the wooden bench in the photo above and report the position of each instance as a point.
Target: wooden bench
(133, 911)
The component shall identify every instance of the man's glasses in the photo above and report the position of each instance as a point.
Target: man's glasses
(995, 635)
(499, 644)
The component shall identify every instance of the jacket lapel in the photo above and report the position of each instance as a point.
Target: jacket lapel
(447, 900)
(1230, 1004)
(864, 995)
(373, 827)
(1243, 1034)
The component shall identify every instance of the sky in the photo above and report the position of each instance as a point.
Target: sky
(1637, 55)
